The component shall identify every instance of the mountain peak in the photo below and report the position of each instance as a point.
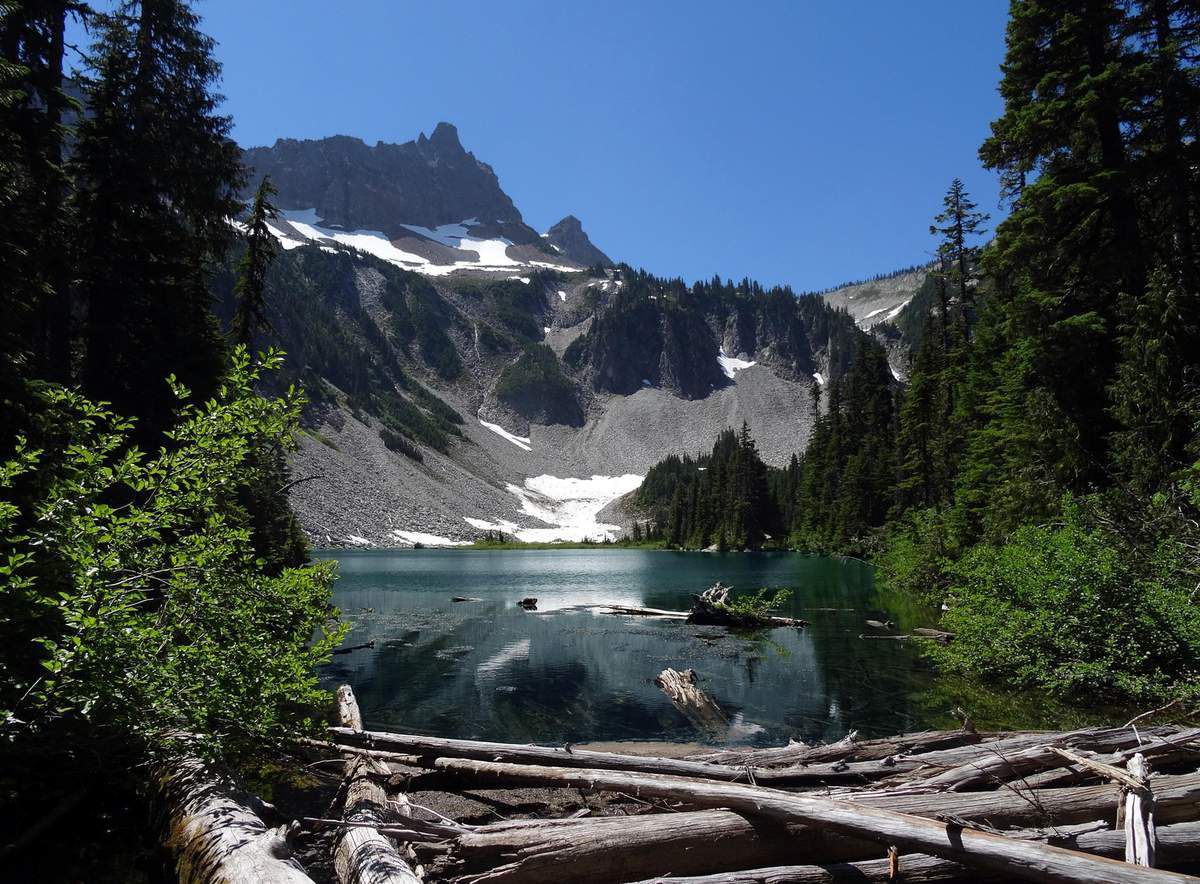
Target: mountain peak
(445, 135)
(569, 238)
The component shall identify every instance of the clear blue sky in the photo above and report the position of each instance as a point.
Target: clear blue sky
(786, 140)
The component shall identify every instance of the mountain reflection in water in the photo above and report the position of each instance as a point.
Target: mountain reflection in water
(568, 673)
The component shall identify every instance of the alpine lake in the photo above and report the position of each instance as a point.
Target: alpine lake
(568, 672)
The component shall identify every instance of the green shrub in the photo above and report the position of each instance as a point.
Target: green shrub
(134, 604)
(1069, 609)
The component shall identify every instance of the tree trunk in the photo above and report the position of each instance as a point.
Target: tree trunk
(215, 837)
(1140, 840)
(362, 855)
(994, 853)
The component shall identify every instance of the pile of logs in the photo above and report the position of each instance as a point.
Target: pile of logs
(1117, 804)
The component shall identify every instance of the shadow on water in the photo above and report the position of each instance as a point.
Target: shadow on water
(567, 673)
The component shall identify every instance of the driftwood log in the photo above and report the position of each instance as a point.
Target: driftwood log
(422, 751)
(1181, 844)
(361, 853)
(1140, 837)
(216, 835)
(696, 705)
(990, 852)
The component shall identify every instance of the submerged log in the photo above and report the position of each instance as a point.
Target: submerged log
(353, 648)
(216, 835)
(994, 853)
(696, 705)
(361, 853)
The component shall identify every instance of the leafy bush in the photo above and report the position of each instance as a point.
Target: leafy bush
(760, 604)
(1069, 609)
(134, 604)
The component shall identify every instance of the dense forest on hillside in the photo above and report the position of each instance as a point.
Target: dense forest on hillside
(1037, 474)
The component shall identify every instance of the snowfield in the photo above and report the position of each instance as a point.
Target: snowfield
(731, 365)
(570, 506)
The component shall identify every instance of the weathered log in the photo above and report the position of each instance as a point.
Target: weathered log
(991, 763)
(851, 749)
(1140, 842)
(995, 853)
(645, 612)
(361, 853)
(936, 634)
(602, 849)
(1184, 746)
(464, 598)
(696, 705)
(1180, 842)
(424, 750)
(598, 850)
(215, 834)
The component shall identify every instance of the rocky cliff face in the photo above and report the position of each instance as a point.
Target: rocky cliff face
(428, 182)
(568, 238)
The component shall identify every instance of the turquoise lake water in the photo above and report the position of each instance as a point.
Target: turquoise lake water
(567, 673)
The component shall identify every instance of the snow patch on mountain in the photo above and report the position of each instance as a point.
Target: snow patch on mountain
(492, 253)
(519, 441)
(570, 506)
(732, 365)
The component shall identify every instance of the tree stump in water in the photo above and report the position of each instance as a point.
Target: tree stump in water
(711, 608)
(699, 708)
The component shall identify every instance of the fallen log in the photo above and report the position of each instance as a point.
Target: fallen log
(1180, 843)
(215, 834)
(423, 751)
(993, 764)
(851, 748)
(995, 853)
(645, 612)
(361, 853)
(696, 705)
(599, 850)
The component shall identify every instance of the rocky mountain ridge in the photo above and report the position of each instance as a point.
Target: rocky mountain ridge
(523, 388)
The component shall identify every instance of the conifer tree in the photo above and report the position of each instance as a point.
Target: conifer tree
(250, 303)
(157, 178)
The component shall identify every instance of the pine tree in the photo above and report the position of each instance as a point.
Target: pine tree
(250, 303)
(157, 178)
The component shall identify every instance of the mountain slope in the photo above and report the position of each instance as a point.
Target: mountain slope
(461, 381)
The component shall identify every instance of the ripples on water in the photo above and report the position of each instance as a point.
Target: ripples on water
(490, 670)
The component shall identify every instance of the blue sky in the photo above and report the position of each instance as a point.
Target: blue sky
(793, 142)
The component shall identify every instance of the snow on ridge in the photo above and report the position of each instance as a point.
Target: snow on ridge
(819, 378)
(899, 307)
(519, 441)
(731, 365)
(492, 253)
(562, 296)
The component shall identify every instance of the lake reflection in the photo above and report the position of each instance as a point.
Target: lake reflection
(491, 670)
